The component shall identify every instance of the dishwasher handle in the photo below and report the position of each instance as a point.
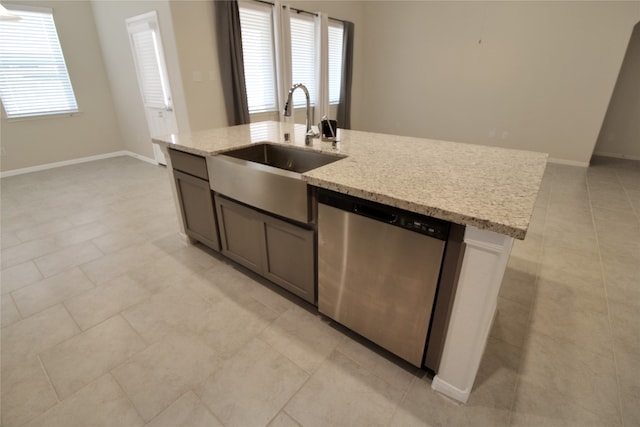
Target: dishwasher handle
(377, 214)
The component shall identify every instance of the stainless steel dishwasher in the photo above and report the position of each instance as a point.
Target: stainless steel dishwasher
(378, 270)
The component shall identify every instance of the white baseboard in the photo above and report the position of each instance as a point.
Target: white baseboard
(450, 391)
(46, 166)
(141, 157)
(616, 155)
(568, 162)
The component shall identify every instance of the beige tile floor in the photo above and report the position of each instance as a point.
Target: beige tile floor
(109, 318)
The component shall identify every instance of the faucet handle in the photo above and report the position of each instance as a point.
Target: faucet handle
(310, 133)
(287, 110)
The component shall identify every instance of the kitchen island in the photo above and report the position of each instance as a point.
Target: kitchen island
(490, 191)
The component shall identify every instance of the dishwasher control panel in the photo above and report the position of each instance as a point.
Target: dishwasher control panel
(416, 222)
(425, 225)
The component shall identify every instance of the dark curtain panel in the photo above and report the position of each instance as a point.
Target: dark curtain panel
(229, 37)
(344, 107)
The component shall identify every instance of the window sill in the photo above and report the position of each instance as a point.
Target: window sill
(41, 117)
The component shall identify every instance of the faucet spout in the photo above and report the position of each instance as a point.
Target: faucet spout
(288, 107)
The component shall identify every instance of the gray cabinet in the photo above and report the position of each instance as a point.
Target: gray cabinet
(195, 198)
(240, 233)
(289, 257)
(281, 252)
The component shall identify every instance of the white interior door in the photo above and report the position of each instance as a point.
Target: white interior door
(151, 69)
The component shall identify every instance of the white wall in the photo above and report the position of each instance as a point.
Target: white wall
(540, 79)
(620, 133)
(37, 141)
(110, 19)
(526, 75)
(194, 29)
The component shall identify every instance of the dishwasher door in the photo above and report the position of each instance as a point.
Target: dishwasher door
(378, 279)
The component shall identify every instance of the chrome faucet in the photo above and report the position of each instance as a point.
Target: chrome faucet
(288, 107)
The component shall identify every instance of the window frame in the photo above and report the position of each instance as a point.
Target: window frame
(262, 7)
(63, 75)
(299, 100)
(335, 24)
(282, 57)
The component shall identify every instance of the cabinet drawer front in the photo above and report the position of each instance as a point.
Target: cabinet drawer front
(189, 163)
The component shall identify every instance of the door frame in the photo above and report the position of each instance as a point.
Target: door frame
(150, 21)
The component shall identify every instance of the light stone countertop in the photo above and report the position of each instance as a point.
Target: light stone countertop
(489, 188)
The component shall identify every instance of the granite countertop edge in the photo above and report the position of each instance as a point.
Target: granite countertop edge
(370, 156)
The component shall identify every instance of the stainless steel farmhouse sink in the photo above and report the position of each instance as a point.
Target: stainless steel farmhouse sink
(268, 177)
(283, 157)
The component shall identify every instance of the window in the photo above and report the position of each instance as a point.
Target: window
(303, 58)
(33, 75)
(147, 55)
(336, 31)
(257, 48)
(298, 51)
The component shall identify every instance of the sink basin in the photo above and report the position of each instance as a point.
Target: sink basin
(282, 157)
(268, 177)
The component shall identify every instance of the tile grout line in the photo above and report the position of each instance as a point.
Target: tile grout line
(593, 223)
(120, 313)
(62, 303)
(52, 388)
(370, 372)
(335, 349)
(71, 337)
(531, 307)
(189, 390)
(75, 336)
(290, 416)
(635, 210)
(127, 360)
(38, 282)
(110, 373)
(404, 396)
(310, 375)
(46, 373)
(13, 300)
(22, 316)
(43, 236)
(606, 296)
(258, 337)
(205, 406)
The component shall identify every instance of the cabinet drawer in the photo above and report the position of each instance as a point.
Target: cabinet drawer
(189, 163)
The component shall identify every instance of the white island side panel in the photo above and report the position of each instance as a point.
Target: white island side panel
(485, 260)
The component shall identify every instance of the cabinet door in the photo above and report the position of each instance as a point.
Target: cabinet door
(198, 213)
(289, 257)
(240, 233)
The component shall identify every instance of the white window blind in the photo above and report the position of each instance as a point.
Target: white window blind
(303, 57)
(145, 46)
(257, 48)
(33, 75)
(336, 32)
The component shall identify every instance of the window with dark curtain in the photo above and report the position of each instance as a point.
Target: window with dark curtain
(229, 37)
(344, 107)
